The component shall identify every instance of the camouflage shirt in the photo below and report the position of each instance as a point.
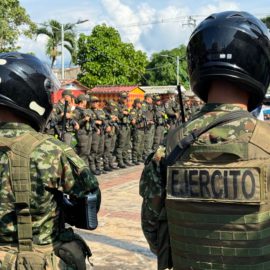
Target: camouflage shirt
(52, 164)
(152, 186)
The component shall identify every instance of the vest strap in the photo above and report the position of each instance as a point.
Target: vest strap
(19, 156)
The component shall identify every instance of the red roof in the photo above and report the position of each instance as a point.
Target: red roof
(73, 85)
(112, 89)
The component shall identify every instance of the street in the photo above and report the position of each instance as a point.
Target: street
(118, 243)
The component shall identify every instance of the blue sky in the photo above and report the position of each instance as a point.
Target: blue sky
(151, 25)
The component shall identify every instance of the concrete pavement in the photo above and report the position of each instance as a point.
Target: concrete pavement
(118, 242)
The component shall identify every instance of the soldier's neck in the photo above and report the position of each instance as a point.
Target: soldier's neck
(9, 116)
(227, 93)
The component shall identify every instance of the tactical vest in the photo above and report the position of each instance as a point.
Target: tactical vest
(218, 205)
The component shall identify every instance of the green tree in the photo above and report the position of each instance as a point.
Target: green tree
(106, 60)
(14, 21)
(161, 69)
(266, 20)
(52, 29)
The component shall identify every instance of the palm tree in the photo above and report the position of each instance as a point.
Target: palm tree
(52, 29)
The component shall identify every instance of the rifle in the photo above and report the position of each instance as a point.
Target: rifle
(181, 103)
(64, 121)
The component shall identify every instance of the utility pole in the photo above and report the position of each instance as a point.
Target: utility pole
(62, 53)
(62, 46)
(177, 70)
(190, 22)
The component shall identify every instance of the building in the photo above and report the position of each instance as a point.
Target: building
(70, 73)
(162, 91)
(105, 93)
(73, 85)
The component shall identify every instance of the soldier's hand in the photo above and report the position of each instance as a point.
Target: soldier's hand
(125, 112)
(108, 129)
(98, 122)
(133, 121)
(68, 115)
(87, 118)
(114, 118)
(76, 126)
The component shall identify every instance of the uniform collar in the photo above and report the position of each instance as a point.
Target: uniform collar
(210, 107)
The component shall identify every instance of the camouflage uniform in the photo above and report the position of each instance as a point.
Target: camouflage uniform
(172, 110)
(123, 138)
(111, 112)
(160, 123)
(149, 129)
(84, 134)
(97, 147)
(69, 129)
(52, 127)
(136, 116)
(52, 165)
(152, 185)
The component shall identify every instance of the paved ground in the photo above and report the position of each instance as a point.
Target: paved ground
(118, 243)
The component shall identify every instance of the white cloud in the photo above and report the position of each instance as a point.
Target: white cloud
(36, 46)
(167, 30)
(150, 29)
(120, 15)
(143, 26)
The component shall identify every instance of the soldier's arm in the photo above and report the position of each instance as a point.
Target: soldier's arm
(77, 180)
(152, 191)
(78, 117)
(170, 111)
(58, 113)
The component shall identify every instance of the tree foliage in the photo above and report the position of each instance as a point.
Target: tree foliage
(266, 20)
(106, 60)
(162, 68)
(14, 21)
(52, 29)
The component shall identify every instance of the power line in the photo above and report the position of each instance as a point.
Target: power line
(190, 19)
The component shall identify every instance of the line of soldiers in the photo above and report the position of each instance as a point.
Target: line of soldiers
(115, 134)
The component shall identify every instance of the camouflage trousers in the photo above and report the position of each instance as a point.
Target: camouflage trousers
(138, 140)
(159, 136)
(148, 140)
(83, 148)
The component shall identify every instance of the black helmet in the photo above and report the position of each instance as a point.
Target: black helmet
(234, 46)
(26, 85)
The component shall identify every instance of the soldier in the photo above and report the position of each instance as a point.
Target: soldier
(160, 119)
(148, 112)
(70, 124)
(83, 117)
(34, 169)
(138, 122)
(123, 139)
(172, 109)
(51, 127)
(217, 202)
(111, 112)
(97, 146)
